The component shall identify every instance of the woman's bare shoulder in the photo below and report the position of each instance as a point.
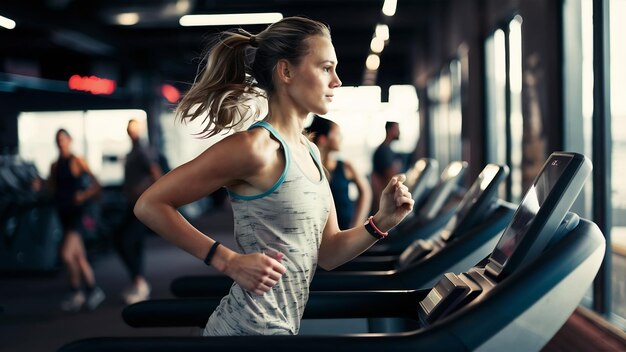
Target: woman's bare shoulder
(252, 147)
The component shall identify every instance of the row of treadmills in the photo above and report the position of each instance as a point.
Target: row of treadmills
(481, 275)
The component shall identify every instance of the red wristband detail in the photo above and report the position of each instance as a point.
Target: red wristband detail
(382, 234)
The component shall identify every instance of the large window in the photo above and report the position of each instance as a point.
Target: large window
(495, 71)
(99, 136)
(444, 94)
(504, 126)
(580, 111)
(617, 50)
(515, 93)
(578, 93)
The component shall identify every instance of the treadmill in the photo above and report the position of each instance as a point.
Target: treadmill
(477, 206)
(421, 179)
(440, 206)
(514, 300)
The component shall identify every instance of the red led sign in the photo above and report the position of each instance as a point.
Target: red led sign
(170, 93)
(92, 84)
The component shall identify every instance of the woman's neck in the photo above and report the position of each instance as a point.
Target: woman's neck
(287, 120)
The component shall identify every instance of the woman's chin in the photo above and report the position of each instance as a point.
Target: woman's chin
(322, 110)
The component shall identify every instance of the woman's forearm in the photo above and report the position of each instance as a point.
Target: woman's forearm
(344, 246)
(168, 223)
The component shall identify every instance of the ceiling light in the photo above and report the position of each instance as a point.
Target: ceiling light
(183, 6)
(377, 45)
(7, 22)
(372, 62)
(230, 19)
(389, 7)
(382, 31)
(127, 19)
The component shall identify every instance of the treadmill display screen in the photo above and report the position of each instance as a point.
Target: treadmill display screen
(473, 201)
(414, 173)
(480, 185)
(528, 209)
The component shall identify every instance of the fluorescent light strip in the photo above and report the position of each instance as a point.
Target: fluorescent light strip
(230, 19)
(7, 22)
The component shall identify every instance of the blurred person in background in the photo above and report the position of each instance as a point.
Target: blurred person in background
(385, 163)
(71, 184)
(326, 134)
(141, 169)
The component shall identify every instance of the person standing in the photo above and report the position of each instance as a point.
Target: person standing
(326, 134)
(67, 175)
(385, 163)
(285, 224)
(141, 169)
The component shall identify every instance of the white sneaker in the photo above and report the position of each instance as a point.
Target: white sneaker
(73, 302)
(138, 294)
(127, 291)
(96, 296)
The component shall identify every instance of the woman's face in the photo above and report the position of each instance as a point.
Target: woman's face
(315, 77)
(64, 142)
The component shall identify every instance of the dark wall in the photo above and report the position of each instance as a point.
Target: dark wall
(456, 32)
(8, 125)
(460, 25)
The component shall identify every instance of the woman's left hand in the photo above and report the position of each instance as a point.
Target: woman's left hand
(395, 203)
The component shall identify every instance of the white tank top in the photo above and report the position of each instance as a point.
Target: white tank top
(289, 218)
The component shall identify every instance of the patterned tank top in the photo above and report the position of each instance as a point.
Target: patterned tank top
(289, 218)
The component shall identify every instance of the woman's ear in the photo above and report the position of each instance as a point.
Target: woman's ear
(283, 71)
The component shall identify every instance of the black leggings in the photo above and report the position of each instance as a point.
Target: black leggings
(129, 242)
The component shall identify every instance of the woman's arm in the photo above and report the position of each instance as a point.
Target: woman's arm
(239, 159)
(94, 188)
(364, 201)
(338, 247)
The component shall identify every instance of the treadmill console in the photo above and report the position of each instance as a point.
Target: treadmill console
(477, 204)
(416, 251)
(421, 179)
(540, 221)
(540, 213)
(451, 292)
(450, 179)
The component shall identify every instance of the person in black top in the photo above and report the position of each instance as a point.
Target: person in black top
(326, 135)
(386, 163)
(141, 169)
(67, 176)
